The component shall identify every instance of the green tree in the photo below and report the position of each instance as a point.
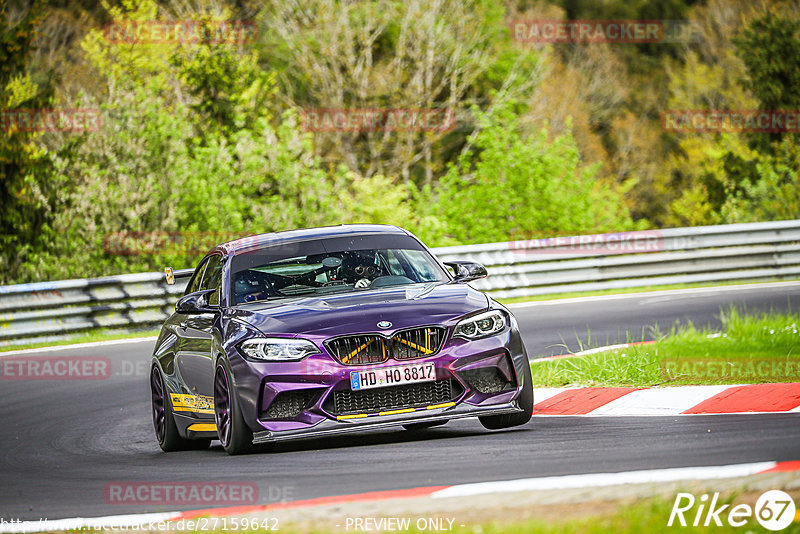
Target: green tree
(27, 188)
(748, 60)
(767, 186)
(211, 163)
(509, 186)
(770, 49)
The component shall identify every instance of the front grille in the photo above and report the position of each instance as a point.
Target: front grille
(356, 350)
(288, 404)
(394, 397)
(486, 379)
(417, 343)
(375, 348)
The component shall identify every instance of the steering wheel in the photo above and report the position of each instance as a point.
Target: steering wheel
(251, 285)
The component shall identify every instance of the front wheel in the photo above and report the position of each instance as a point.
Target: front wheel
(234, 434)
(525, 400)
(163, 421)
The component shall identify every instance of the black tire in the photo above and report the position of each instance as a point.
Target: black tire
(525, 399)
(423, 426)
(163, 420)
(234, 434)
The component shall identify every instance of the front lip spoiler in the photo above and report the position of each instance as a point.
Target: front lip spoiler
(331, 428)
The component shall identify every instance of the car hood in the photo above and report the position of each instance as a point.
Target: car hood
(359, 312)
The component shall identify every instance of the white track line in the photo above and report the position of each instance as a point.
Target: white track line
(661, 293)
(604, 479)
(90, 344)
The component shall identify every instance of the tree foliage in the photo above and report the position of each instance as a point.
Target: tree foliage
(512, 186)
(208, 138)
(27, 186)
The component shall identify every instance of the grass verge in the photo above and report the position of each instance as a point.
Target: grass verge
(647, 515)
(758, 348)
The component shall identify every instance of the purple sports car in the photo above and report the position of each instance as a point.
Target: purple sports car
(331, 330)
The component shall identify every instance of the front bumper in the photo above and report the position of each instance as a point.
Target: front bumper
(259, 384)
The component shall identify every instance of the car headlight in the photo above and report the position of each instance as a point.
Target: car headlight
(278, 349)
(483, 325)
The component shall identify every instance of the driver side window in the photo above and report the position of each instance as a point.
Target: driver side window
(207, 276)
(194, 283)
(213, 277)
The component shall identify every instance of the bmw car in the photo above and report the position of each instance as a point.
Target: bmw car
(328, 331)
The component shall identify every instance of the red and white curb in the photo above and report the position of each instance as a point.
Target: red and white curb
(668, 401)
(593, 480)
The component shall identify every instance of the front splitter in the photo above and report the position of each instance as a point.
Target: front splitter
(330, 428)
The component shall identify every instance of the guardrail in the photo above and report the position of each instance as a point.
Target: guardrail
(724, 253)
(47, 311)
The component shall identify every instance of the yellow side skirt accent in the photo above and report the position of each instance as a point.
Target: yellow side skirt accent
(357, 416)
(203, 427)
(394, 412)
(445, 405)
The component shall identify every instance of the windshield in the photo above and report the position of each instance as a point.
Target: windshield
(331, 266)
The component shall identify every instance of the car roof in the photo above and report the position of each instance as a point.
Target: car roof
(252, 242)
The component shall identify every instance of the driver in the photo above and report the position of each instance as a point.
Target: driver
(359, 269)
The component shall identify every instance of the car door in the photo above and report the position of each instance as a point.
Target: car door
(194, 352)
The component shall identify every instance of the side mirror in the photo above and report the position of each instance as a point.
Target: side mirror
(196, 302)
(467, 271)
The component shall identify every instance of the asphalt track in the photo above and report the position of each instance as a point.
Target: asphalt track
(64, 441)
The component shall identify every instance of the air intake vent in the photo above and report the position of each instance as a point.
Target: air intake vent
(288, 404)
(394, 397)
(486, 379)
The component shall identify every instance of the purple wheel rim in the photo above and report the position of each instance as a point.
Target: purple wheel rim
(222, 405)
(158, 403)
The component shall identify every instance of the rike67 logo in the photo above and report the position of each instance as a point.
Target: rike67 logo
(774, 510)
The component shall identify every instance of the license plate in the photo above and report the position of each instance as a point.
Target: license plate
(392, 376)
